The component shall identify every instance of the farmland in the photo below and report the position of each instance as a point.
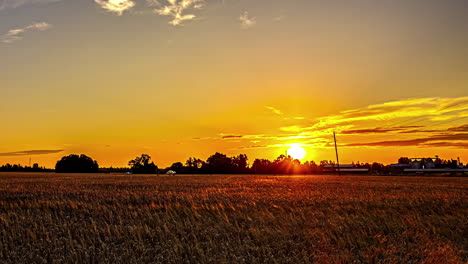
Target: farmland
(57, 218)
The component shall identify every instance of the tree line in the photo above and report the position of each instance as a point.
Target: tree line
(217, 163)
(18, 167)
(220, 163)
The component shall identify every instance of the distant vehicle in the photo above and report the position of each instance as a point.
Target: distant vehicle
(128, 173)
(171, 172)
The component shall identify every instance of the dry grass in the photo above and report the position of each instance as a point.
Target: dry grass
(53, 218)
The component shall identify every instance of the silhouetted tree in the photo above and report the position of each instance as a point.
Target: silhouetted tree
(240, 163)
(143, 165)
(19, 167)
(284, 165)
(311, 167)
(262, 166)
(76, 164)
(377, 167)
(193, 165)
(404, 160)
(218, 163)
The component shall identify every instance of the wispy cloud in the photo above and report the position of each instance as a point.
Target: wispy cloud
(458, 145)
(247, 21)
(455, 139)
(116, 6)
(378, 130)
(176, 9)
(6, 4)
(291, 128)
(231, 136)
(415, 110)
(462, 128)
(275, 110)
(16, 34)
(30, 152)
(280, 113)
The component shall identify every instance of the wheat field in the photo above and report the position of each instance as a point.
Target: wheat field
(102, 218)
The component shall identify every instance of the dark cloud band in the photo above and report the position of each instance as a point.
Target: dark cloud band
(30, 152)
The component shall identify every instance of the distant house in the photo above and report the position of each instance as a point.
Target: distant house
(429, 165)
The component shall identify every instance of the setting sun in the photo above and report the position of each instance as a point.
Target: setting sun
(296, 152)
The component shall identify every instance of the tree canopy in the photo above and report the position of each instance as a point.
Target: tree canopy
(143, 165)
(76, 164)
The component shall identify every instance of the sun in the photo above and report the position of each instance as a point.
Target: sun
(296, 152)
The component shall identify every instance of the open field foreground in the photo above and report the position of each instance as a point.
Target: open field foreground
(66, 218)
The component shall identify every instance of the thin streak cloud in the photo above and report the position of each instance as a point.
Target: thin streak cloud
(17, 34)
(461, 138)
(30, 152)
(7, 4)
(275, 110)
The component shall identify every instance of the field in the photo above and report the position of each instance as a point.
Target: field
(66, 218)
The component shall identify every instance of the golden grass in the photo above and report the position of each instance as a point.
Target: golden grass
(57, 218)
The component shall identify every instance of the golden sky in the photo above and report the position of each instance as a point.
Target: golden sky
(117, 78)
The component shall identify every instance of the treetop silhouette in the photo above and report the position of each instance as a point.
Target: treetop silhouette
(143, 165)
(76, 164)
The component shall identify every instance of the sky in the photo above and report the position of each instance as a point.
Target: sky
(187, 78)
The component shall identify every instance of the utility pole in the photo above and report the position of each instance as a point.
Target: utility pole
(336, 151)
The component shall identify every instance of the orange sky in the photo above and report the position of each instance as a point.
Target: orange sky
(115, 79)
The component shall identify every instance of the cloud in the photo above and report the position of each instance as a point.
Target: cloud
(275, 111)
(462, 128)
(16, 34)
(116, 6)
(176, 9)
(418, 107)
(278, 112)
(462, 145)
(204, 138)
(231, 136)
(254, 147)
(6, 4)
(246, 21)
(30, 152)
(291, 128)
(368, 131)
(153, 3)
(453, 138)
(381, 130)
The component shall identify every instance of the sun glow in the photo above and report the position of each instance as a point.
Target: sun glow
(296, 152)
